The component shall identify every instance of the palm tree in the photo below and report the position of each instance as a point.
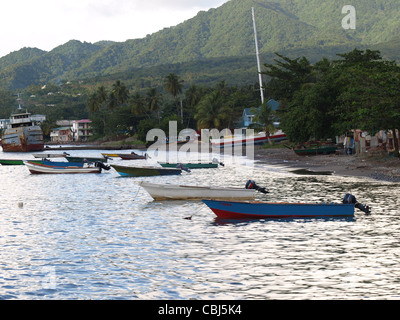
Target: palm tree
(138, 105)
(174, 86)
(120, 91)
(154, 101)
(97, 99)
(209, 113)
(265, 116)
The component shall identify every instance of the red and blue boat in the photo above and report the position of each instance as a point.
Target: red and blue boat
(265, 210)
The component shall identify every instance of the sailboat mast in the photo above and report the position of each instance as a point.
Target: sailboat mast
(258, 57)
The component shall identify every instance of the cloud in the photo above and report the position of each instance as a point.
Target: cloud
(46, 24)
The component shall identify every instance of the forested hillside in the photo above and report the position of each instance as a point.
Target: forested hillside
(208, 46)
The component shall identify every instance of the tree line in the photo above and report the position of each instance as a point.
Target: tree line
(360, 90)
(118, 110)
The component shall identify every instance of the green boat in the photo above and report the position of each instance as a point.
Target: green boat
(189, 165)
(145, 171)
(315, 150)
(15, 162)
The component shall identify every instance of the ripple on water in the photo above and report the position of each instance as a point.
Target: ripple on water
(102, 237)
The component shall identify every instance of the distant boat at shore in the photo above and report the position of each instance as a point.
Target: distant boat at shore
(256, 139)
(22, 134)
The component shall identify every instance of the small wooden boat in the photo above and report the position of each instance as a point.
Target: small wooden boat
(37, 168)
(86, 159)
(314, 149)
(61, 163)
(109, 155)
(132, 156)
(185, 192)
(15, 162)
(50, 155)
(191, 165)
(261, 210)
(142, 171)
(238, 140)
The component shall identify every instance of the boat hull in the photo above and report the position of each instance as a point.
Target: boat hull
(182, 192)
(189, 165)
(15, 162)
(262, 210)
(82, 159)
(315, 151)
(131, 156)
(240, 141)
(126, 171)
(36, 168)
(23, 139)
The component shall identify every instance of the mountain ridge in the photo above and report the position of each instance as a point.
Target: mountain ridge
(223, 32)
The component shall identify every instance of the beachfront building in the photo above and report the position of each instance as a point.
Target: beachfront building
(61, 135)
(248, 116)
(82, 129)
(4, 123)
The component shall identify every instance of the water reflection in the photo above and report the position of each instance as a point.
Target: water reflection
(103, 237)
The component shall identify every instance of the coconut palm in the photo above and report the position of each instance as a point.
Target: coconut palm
(174, 86)
(209, 112)
(266, 118)
(97, 99)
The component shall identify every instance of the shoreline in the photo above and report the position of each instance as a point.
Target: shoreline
(378, 168)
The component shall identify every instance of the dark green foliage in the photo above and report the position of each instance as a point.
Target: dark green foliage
(213, 46)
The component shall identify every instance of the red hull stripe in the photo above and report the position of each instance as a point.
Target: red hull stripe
(234, 215)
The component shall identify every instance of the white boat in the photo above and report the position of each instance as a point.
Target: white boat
(50, 155)
(240, 140)
(36, 168)
(185, 192)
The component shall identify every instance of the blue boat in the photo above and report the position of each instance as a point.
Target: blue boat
(262, 210)
(62, 163)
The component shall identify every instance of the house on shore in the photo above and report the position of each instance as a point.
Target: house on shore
(72, 130)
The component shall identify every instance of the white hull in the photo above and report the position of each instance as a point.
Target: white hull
(181, 192)
(242, 140)
(49, 155)
(40, 168)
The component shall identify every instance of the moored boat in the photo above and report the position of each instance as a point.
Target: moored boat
(18, 162)
(141, 171)
(37, 168)
(191, 165)
(109, 154)
(132, 156)
(262, 210)
(50, 155)
(15, 162)
(86, 159)
(22, 134)
(311, 149)
(239, 140)
(188, 192)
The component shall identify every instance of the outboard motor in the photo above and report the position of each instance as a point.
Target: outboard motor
(215, 160)
(180, 166)
(252, 185)
(350, 199)
(99, 164)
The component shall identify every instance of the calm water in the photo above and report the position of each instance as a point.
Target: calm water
(102, 237)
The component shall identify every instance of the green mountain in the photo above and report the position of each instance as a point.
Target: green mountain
(207, 47)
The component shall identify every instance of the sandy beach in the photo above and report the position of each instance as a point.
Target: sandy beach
(379, 168)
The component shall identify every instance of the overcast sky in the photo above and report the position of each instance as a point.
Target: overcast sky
(46, 24)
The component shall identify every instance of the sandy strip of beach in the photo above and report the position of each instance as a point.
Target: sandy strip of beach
(379, 168)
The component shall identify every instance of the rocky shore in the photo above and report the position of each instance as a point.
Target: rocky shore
(379, 168)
